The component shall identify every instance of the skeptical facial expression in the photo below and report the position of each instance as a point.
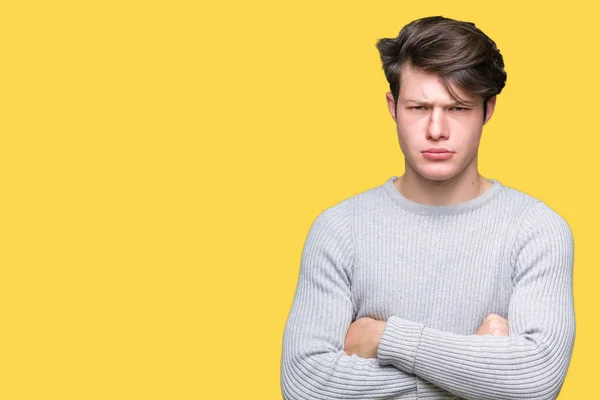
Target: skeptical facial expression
(438, 135)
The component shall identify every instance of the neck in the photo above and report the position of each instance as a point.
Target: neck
(459, 189)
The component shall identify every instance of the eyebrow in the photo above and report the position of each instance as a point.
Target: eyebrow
(426, 103)
(453, 104)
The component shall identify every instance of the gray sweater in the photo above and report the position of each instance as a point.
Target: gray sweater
(433, 273)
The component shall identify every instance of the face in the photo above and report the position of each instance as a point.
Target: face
(438, 136)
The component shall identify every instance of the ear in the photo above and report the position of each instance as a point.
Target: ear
(389, 97)
(491, 105)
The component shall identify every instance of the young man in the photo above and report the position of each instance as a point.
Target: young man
(440, 284)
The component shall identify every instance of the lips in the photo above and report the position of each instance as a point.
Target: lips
(437, 154)
(437, 150)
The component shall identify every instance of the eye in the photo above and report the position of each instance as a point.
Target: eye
(459, 109)
(417, 108)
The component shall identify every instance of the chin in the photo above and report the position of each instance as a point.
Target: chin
(439, 179)
(440, 175)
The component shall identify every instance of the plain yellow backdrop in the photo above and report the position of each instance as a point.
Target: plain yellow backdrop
(161, 163)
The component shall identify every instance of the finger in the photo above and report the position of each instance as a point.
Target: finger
(495, 316)
(489, 317)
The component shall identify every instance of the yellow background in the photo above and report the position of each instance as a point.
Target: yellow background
(161, 163)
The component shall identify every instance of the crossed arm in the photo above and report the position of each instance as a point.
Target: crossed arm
(364, 334)
(314, 364)
(530, 363)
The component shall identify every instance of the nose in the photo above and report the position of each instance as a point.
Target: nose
(437, 127)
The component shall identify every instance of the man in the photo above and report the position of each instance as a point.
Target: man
(439, 284)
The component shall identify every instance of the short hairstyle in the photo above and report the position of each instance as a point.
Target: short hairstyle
(458, 52)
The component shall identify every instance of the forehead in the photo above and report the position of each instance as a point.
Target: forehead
(416, 84)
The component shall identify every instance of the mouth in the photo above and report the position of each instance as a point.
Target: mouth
(437, 150)
(437, 155)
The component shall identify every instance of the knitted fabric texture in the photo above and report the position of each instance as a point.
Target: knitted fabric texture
(433, 273)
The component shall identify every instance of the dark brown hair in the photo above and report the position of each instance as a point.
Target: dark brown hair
(458, 52)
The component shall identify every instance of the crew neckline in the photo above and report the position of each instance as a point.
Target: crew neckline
(450, 209)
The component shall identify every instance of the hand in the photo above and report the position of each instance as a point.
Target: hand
(493, 325)
(363, 337)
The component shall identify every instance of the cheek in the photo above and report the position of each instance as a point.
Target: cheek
(473, 138)
(465, 135)
(404, 139)
(409, 131)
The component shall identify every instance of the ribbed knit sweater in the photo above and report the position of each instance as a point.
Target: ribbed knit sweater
(433, 273)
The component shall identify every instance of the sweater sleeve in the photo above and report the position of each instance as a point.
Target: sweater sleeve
(530, 363)
(314, 364)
